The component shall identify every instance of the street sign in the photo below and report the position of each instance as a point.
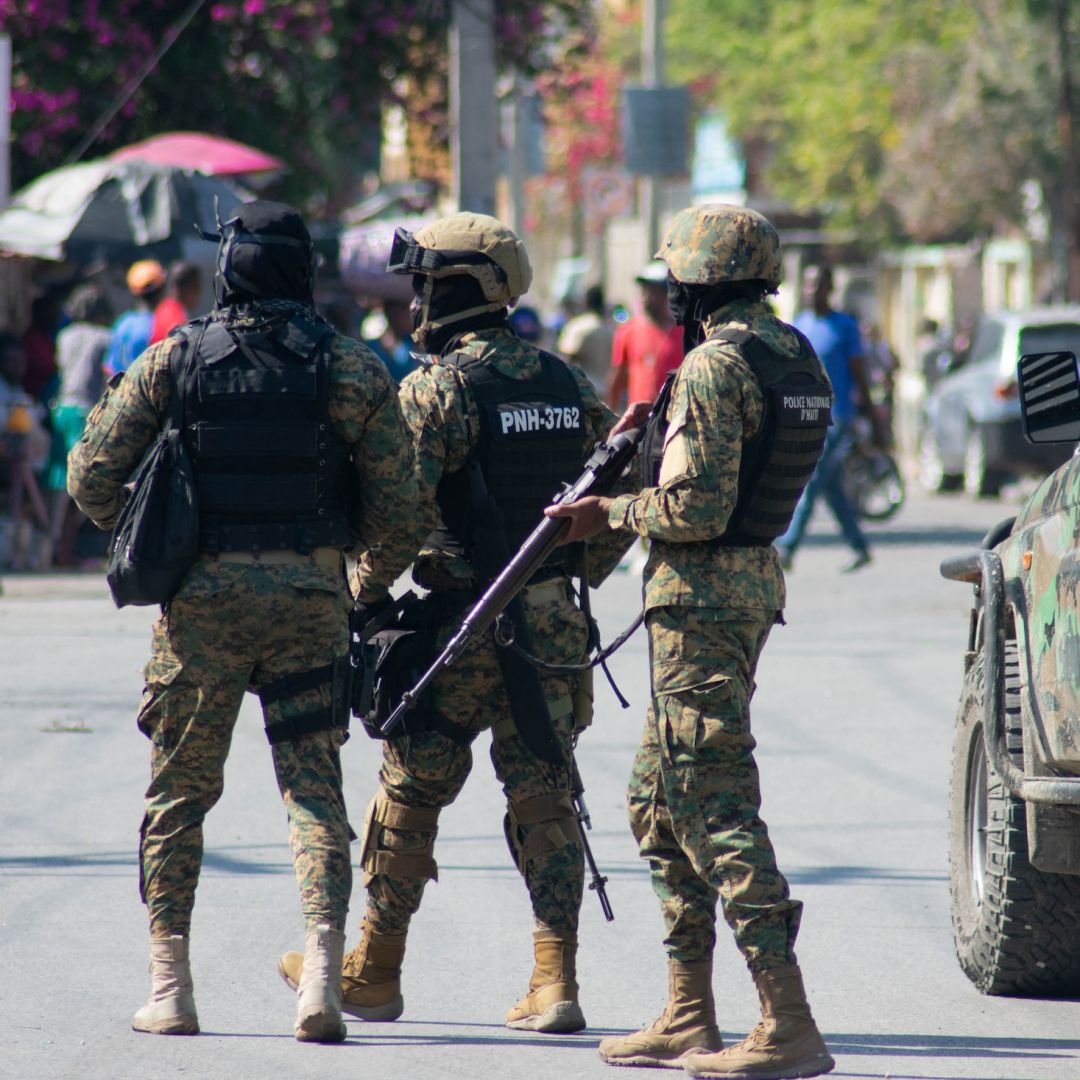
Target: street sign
(656, 130)
(607, 192)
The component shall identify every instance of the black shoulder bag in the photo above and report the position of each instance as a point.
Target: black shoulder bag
(156, 539)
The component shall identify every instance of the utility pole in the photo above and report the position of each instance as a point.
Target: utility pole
(5, 119)
(474, 116)
(652, 73)
(516, 159)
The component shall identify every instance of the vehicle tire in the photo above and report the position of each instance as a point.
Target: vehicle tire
(874, 484)
(979, 480)
(931, 469)
(1016, 929)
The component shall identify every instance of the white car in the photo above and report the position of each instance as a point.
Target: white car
(971, 432)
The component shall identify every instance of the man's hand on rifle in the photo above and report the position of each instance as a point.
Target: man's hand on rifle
(587, 516)
(637, 412)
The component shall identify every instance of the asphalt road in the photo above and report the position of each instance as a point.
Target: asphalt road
(853, 715)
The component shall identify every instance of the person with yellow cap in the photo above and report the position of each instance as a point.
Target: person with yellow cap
(131, 332)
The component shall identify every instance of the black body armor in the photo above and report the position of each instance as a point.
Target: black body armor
(776, 465)
(531, 437)
(272, 474)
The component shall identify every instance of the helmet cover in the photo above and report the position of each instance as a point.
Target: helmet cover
(710, 244)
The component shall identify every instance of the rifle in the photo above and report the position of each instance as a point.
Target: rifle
(581, 812)
(602, 469)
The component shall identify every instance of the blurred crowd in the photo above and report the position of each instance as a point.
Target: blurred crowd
(50, 378)
(54, 372)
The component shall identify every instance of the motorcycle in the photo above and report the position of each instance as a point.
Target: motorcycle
(872, 478)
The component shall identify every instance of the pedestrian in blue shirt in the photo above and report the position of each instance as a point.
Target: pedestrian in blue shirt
(131, 332)
(836, 339)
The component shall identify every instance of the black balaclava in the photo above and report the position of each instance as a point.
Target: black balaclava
(459, 292)
(691, 305)
(265, 254)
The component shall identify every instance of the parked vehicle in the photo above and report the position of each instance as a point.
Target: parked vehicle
(872, 478)
(970, 432)
(1015, 789)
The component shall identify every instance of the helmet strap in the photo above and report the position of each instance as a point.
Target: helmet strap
(427, 332)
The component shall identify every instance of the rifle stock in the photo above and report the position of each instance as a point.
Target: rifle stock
(602, 469)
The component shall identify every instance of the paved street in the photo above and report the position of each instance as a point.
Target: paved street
(853, 717)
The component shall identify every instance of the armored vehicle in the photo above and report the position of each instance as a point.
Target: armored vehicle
(1015, 787)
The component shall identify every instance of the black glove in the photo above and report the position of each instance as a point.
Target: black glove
(363, 613)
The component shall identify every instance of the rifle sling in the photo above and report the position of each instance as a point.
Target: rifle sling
(524, 690)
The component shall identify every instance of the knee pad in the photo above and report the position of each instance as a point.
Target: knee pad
(376, 858)
(538, 825)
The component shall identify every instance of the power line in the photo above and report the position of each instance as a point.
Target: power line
(135, 82)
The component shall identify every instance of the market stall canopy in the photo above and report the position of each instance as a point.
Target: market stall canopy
(113, 209)
(210, 154)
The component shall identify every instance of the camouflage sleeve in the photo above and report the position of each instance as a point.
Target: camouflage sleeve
(608, 548)
(364, 407)
(439, 432)
(715, 406)
(118, 432)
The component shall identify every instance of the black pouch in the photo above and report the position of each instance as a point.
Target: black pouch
(396, 654)
(388, 656)
(400, 658)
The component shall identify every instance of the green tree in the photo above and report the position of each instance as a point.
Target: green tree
(920, 120)
(302, 79)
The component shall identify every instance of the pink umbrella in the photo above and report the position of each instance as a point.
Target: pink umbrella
(210, 154)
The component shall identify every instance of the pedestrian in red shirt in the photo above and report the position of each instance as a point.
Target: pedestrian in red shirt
(647, 346)
(180, 301)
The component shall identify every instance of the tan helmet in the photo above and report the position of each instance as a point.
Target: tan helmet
(470, 234)
(464, 243)
(706, 245)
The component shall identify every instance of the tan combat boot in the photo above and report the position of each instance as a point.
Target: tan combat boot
(371, 975)
(786, 1044)
(171, 1008)
(551, 1005)
(687, 1024)
(318, 1004)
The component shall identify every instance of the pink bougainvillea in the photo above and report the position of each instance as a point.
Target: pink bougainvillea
(303, 81)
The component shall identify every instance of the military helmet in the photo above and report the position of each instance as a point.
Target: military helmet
(476, 245)
(706, 245)
(466, 243)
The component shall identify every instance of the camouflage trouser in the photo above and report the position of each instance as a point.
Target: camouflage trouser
(421, 773)
(229, 629)
(694, 795)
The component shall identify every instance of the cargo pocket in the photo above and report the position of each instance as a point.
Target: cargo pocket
(702, 710)
(159, 674)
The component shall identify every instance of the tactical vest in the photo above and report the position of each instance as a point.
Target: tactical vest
(272, 474)
(531, 436)
(776, 464)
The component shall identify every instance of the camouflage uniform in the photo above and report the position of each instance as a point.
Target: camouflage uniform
(236, 625)
(425, 772)
(694, 795)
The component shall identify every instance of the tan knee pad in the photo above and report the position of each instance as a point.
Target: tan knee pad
(540, 824)
(377, 858)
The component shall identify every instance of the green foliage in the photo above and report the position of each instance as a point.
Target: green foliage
(302, 79)
(914, 120)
